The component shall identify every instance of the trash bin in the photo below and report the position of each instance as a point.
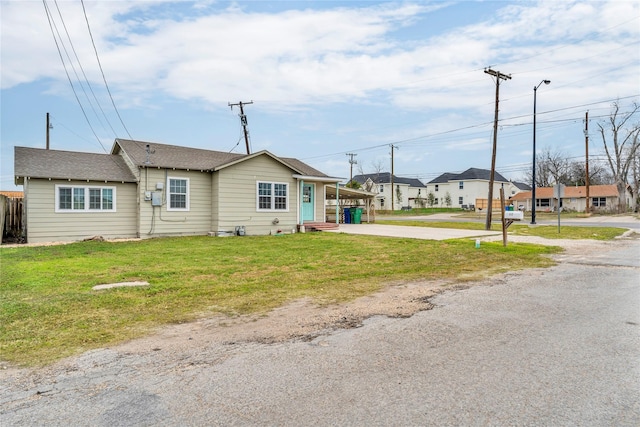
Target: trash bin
(347, 216)
(357, 215)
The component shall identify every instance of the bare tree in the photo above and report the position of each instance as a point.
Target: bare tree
(598, 174)
(377, 167)
(620, 139)
(552, 167)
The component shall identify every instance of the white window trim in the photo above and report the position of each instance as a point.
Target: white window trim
(86, 198)
(168, 193)
(273, 197)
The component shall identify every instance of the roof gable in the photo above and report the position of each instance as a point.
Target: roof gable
(57, 164)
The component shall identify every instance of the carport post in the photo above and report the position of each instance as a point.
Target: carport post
(337, 203)
(300, 207)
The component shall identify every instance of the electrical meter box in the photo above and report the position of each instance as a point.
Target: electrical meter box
(156, 198)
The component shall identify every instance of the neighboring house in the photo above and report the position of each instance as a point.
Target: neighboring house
(603, 198)
(518, 187)
(12, 194)
(149, 190)
(410, 190)
(466, 187)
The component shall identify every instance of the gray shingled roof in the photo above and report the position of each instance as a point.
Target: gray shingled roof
(445, 177)
(174, 156)
(385, 178)
(522, 186)
(304, 168)
(469, 175)
(56, 164)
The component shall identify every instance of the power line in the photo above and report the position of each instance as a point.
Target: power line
(479, 125)
(102, 72)
(51, 25)
(86, 79)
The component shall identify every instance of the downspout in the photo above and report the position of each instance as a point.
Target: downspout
(337, 203)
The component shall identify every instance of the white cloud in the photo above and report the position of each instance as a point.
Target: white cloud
(382, 65)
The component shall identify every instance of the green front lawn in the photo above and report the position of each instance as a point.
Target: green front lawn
(48, 309)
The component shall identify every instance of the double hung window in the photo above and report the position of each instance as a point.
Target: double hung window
(272, 196)
(178, 194)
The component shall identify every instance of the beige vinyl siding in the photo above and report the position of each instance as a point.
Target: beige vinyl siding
(318, 208)
(44, 224)
(158, 221)
(235, 189)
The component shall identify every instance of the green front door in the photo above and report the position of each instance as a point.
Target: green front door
(307, 202)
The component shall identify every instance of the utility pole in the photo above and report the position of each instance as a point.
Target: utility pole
(243, 120)
(351, 163)
(586, 165)
(49, 126)
(499, 76)
(392, 148)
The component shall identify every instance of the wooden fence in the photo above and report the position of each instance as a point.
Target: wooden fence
(482, 204)
(11, 211)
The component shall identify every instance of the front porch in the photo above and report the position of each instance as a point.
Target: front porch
(320, 226)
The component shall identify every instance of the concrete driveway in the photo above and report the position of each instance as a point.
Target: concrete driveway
(413, 232)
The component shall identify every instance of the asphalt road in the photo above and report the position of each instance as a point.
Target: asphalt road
(549, 347)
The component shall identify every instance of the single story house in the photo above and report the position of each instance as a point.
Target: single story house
(407, 192)
(145, 190)
(603, 198)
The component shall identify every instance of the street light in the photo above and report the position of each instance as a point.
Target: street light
(533, 183)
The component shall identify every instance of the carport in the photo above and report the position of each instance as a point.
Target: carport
(341, 195)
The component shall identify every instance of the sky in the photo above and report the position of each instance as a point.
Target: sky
(326, 78)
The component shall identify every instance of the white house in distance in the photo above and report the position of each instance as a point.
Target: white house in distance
(467, 187)
(150, 190)
(407, 191)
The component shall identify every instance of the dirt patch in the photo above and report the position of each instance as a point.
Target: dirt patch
(299, 320)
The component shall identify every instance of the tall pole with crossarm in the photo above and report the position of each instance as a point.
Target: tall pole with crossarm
(499, 77)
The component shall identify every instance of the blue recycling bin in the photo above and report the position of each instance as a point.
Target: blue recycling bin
(347, 216)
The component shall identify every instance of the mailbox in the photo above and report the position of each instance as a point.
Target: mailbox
(514, 215)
